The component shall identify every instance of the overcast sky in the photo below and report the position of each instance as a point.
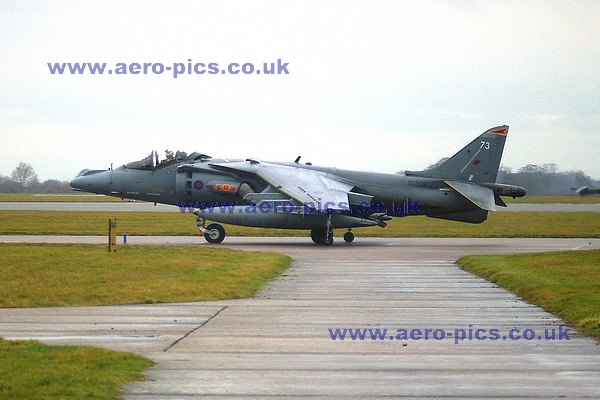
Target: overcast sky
(372, 85)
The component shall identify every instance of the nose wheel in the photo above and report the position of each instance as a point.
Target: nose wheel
(214, 233)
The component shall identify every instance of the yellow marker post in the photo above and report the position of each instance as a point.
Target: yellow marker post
(112, 235)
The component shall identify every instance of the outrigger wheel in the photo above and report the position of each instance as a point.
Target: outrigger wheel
(349, 236)
(214, 233)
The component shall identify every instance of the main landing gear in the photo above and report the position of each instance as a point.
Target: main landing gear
(214, 233)
(324, 236)
(321, 236)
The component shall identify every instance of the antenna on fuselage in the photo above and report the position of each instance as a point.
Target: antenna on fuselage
(297, 159)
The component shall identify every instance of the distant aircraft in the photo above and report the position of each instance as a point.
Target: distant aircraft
(291, 195)
(584, 186)
(587, 190)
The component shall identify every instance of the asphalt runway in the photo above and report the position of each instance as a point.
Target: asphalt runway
(150, 207)
(278, 344)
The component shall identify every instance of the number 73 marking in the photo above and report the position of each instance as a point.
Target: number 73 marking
(485, 145)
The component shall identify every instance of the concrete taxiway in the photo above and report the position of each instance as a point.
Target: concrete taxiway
(278, 344)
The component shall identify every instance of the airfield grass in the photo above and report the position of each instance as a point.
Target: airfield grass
(30, 370)
(44, 275)
(554, 199)
(59, 198)
(566, 283)
(500, 224)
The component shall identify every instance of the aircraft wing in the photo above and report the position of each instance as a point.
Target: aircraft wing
(307, 186)
(314, 189)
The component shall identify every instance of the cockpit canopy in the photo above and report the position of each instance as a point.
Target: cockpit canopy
(151, 162)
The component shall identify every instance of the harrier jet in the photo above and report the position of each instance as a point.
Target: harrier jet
(295, 195)
(584, 185)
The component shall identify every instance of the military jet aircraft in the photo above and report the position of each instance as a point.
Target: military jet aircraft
(587, 190)
(584, 185)
(294, 195)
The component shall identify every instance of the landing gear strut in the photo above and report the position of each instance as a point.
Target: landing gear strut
(214, 233)
(329, 237)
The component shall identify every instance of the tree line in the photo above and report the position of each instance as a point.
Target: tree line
(545, 180)
(23, 179)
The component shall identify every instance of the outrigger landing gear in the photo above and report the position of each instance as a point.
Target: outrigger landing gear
(349, 236)
(214, 233)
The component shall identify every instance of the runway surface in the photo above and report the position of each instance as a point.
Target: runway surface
(278, 344)
(150, 207)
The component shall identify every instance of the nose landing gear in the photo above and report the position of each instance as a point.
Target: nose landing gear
(213, 233)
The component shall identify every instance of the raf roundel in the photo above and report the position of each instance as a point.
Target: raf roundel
(198, 185)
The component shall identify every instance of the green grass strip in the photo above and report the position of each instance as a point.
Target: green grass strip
(30, 370)
(44, 275)
(566, 283)
(499, 224)
(554, 199)
(59, 198)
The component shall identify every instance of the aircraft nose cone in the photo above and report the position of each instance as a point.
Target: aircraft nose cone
(94, 181)
(76, 184)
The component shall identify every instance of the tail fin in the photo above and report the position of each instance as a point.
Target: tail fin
(476, 162)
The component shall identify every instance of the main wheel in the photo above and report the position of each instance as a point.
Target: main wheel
(319, 236)
(214, 233)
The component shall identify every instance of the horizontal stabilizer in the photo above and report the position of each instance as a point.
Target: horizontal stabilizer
(480, 196)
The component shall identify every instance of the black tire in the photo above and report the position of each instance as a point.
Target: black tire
(319, 236)
(349, 237)
(214, 233)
